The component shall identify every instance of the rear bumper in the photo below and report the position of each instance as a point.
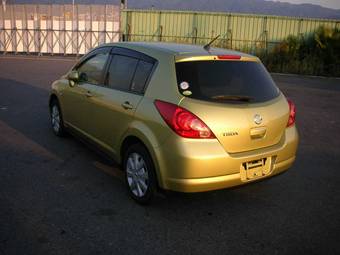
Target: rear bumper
(221, 182)
(189, 165)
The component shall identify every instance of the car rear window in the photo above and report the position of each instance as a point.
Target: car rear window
(226, 81)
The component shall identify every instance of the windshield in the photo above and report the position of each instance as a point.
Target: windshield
(226, 81)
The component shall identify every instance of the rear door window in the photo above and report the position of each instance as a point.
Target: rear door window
(226, 81)
(121, 72)
(128, 73)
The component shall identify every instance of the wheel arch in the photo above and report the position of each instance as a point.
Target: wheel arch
(53, 96)
(137, 137)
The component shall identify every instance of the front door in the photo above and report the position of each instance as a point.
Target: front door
(80, 98)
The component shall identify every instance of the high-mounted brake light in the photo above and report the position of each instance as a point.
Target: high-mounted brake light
(228, 57)
(292, 113)
(183, 122)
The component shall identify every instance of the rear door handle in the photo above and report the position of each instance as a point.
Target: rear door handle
(126, 105)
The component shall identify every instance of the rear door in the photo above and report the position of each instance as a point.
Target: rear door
(237, 100)
(116, 102)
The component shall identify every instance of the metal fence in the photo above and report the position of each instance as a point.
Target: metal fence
(74, 29)
(57, 29)
(245, 32)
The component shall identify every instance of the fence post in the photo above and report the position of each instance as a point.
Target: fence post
(105, 18)
(160, 33)
(63, 31)
(2, 17)
(160, 26)
(38, 30)
(194, 28)
(126, 34)
(13, 31)
(229, 33)
(264, 32)
(50, 30)
(91, 31)
(26, 43)
(77, 29)
(301, 38)
(52, 27)
(195, 35)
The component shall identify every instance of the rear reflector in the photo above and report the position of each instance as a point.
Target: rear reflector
(183, 122)
(228, 57)
(292, 113)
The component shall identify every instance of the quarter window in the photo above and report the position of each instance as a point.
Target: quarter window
(91, 71)
(141, 76)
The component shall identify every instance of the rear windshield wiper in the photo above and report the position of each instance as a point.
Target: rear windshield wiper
(232, 98)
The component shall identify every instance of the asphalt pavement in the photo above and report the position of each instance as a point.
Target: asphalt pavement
(58, 196)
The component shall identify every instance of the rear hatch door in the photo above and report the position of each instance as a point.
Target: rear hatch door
(237, 100)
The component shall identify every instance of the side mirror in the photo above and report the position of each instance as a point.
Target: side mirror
(73, 77)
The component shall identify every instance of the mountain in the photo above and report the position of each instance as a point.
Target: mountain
(240, 6)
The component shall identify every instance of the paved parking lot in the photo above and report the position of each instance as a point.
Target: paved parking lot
(57, 196)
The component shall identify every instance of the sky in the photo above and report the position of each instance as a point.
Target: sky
(335, 4)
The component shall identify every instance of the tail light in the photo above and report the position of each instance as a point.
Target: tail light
(183, 122)
(292, 113)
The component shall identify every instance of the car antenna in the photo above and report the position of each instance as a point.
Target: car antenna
(207, 46)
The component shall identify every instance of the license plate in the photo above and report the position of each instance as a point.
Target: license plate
(255, 169)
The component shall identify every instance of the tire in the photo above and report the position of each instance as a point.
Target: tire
(140, 177)
(56, 118)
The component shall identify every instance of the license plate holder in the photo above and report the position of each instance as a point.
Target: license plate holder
(255, 169)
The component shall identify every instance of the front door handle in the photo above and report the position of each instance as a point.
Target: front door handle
(88, 94)
(126, 105)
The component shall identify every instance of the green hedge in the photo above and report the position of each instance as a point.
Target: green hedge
(316, 53)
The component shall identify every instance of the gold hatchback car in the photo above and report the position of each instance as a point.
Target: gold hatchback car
(178, 117)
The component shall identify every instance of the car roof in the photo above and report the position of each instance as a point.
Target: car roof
(176, 49)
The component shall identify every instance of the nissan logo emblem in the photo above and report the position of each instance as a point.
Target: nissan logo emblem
(257, 119)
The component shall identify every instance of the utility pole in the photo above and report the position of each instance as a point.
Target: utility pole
(123, 4)
(72, 10)
(4, 5)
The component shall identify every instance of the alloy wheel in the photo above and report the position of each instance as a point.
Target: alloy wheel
(137, 174)
(55, 118)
